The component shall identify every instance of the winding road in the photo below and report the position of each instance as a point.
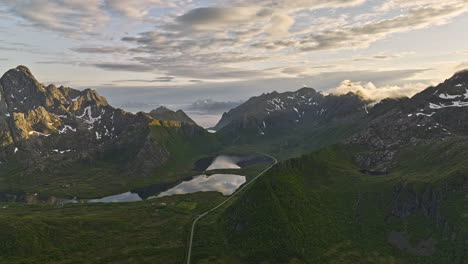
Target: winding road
(192, 231)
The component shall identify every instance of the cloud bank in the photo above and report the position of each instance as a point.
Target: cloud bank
(371, 91)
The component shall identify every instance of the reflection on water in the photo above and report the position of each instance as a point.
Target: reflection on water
(223, 183)
(224, 162)
(119, 198)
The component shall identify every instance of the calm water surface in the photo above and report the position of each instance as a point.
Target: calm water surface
(223, 183)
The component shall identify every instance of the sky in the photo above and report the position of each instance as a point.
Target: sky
(172, 52)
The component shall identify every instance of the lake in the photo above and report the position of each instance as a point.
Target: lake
(223, 183)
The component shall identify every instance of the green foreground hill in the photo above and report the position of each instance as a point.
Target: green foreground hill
(320, 208)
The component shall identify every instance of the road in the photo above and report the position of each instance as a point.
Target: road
(192, 231)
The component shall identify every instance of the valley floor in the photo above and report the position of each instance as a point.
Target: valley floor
(151, 231)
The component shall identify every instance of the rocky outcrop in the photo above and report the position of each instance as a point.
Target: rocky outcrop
(424, 247)
(427, 202)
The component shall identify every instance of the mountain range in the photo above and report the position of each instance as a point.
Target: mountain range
(164, 114)
(54, 136)
(358, 181)
(212, 106)
(395, 191)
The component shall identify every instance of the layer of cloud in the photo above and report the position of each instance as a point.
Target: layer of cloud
(132, 67)
(77, 17)
(100, 49)
(360, 36)
(230, 40)
(223, 39)
(242, 90)
(389, 5)
(212, 106)
(59, 15)
(462, 66)
(163, 79)
(138, 8)
(370, 91)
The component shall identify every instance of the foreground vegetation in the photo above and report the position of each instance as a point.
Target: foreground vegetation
(319, 208)
(152, 231)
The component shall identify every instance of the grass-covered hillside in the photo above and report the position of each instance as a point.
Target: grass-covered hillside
(320, 208)
(152, 231)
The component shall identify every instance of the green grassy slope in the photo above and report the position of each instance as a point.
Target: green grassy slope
(296, 140)
(153, 231)
(320, 209)
(185, 147)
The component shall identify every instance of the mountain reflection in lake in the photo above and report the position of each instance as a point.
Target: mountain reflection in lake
(224, 162)
(223, 183)
(118, 198)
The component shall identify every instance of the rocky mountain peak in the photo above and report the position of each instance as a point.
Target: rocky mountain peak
(21, 69)
(160, 110)
(452, 93)
(306, 90)
(21, 75)
(45, 119)
(463, 74)
(435, 114)
(163, 113)
(275, 111)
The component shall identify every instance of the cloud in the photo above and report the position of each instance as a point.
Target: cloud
(163, 79)
(215, 66)
(223, 39)
(131, 67)
(379, 57)
(212, 106)
(303, 4)
(84, 16)
(389, 5)
(280, 25)
(78, 17)
(229, 40)
(242, 90)
(212, 18)
(100, 49)
(462, 66)
(138, 8)
(361, 36)
(371, 91)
